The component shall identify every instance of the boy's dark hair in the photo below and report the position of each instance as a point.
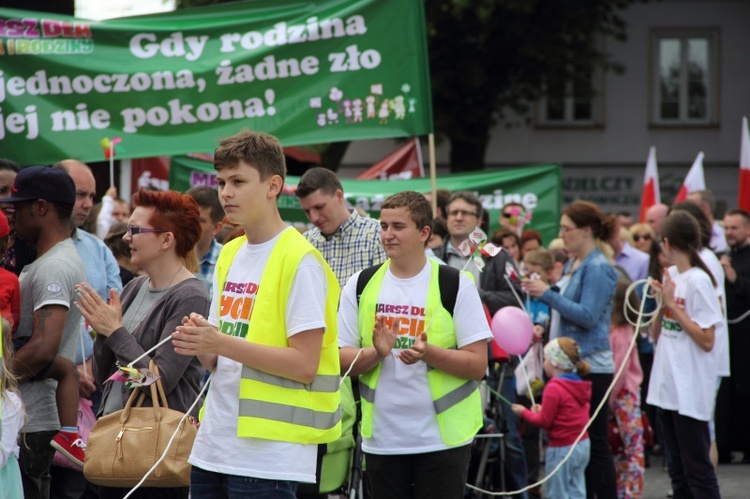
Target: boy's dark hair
(442, 198)
(419, 208)
(439, 227)
(259, 150)
(470, 198)
(502, 233)
(114, 241)
(208, 197)
(318, 178)
(8, 164)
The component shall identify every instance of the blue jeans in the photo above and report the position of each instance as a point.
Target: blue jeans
(516, 476)
(570, 479)
(210, 485)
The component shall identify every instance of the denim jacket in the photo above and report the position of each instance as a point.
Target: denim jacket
(586, 305)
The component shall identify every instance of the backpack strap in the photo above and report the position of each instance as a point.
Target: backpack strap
(364, 277)
(448, 280)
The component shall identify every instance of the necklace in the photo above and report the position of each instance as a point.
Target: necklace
(135, 318)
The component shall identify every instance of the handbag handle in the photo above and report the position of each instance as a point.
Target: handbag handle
(157, 395)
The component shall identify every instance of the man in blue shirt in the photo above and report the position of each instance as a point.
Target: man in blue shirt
(212, 214)
(102, 274)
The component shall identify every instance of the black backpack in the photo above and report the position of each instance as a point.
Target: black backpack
(448, 279)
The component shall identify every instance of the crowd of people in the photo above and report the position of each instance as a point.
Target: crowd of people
(214, 281)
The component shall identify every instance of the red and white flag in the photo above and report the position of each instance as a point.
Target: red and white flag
(650, 195)
(403, 163)
(744, 190)
(694, 181)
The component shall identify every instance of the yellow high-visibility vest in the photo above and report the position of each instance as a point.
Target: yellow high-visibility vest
(457, 403)
(274, 407)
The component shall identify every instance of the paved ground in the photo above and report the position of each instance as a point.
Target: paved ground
(734, 481)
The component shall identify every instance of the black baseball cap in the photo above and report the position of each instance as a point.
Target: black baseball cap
(42, 182)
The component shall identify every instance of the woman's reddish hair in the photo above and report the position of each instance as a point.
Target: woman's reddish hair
(174, 212)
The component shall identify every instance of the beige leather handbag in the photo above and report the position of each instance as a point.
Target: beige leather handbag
(125, 445)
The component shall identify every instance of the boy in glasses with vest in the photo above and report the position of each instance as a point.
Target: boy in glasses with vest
(270, 340)
(419, 365)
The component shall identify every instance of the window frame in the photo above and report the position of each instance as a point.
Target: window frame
(569, 121)
(713, 37)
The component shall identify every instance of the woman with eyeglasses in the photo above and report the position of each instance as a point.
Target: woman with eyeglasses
(163, 228)
(643, 237)
(581, 310)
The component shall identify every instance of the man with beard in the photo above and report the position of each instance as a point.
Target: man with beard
(733, 402)
(49, 324)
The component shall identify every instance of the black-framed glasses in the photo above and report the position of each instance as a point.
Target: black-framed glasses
(508, 215)
(133, 230)
(455, 213)
(638, 237)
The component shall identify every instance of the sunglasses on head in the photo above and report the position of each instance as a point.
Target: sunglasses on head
(638, 237)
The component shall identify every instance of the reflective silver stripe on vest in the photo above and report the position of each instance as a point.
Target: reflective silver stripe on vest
(290, 414)
(455, 397)
(366, 392)
(323, 383)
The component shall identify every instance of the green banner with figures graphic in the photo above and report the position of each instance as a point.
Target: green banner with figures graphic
(166, 84)
(536, 187)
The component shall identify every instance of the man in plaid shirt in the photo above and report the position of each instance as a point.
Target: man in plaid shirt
(347, 241)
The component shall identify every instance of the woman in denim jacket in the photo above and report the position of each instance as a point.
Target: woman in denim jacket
(581, 309)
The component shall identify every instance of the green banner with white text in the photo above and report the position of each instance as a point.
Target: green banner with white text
(166, 84)
(537, 187)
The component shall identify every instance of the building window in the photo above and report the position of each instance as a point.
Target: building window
(571, 104)
(685, 90)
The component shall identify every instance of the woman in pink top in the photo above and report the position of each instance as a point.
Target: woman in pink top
(625, 400)
(564, 413)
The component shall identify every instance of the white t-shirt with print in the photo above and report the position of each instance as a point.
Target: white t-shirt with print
(217, 447)
(721, 342)
(404, 420)
(683, 377)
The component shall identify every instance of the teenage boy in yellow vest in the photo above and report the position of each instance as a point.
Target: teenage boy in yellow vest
(270, 340)
(419, 368)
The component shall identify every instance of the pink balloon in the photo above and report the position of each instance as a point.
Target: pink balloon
(512, 329)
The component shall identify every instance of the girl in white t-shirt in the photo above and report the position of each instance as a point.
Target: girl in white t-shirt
(683, 379)
(11, 421)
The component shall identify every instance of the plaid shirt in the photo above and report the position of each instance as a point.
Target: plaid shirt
(353, 247)
(208, 263)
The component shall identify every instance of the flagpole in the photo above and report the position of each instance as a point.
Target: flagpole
(433, 174)
(111, 164)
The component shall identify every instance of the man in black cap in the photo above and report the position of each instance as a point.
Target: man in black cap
(49, 324)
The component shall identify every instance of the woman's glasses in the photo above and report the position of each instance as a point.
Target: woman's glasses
(133, 230)
(638, 237)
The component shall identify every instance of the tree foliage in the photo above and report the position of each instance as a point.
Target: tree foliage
(491, 56)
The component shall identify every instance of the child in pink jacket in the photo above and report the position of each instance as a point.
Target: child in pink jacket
(564, 413)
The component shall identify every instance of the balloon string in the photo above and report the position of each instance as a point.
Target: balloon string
(526, 377)
(518, 298)
(496, 393)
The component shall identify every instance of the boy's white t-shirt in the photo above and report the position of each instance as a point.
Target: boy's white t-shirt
(404, 420)
(721, 342)
(217, 447)
(683, 377)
